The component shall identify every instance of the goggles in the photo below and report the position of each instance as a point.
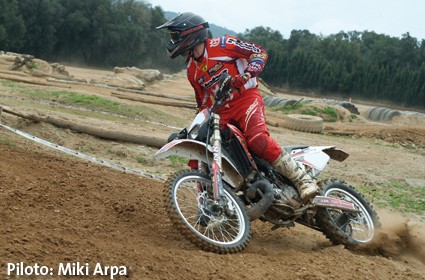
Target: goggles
(175, 36)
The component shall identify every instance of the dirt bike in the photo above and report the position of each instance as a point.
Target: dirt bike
(213, 203)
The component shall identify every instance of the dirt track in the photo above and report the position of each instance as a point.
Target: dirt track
(56, 209)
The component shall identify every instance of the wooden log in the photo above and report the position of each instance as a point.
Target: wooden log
(91, 130)
(27, 77)
(31, 81)
(170, 96)
(158, 102)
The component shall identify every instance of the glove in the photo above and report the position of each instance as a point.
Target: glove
(239, 81)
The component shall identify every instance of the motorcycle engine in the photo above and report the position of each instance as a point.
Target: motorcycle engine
(288, 195)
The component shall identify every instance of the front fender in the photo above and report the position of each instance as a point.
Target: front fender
(192, 149)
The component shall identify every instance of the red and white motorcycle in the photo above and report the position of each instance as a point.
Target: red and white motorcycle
(212, 205)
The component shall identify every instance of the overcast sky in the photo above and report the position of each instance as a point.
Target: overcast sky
(390, 17)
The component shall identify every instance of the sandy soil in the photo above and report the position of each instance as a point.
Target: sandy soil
(56, 208)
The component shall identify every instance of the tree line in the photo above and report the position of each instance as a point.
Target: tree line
(91, 32)
(352, 64)
(105, 33)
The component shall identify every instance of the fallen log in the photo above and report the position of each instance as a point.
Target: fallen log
(340, 132)
(17, 73)
(42, 80)
(156, 94)
(145, 100)
(23, 80)
(91, 130)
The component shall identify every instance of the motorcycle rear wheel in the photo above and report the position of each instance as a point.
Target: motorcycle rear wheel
(349, 229)
(190, 211)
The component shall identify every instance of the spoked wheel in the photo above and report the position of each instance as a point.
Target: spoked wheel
(220, 228)
(350, 229)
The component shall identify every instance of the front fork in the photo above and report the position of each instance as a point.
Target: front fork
(216, 167)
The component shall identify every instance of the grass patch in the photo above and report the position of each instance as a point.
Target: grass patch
(72, 98)
(177, 160)
(142, 160)
(328, 114)
(93, 102)
(8, 143)
(290, 109)
(398, 196)
(8, 83)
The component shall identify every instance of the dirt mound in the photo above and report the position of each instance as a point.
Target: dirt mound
(131, 78)
(406, 136)
(31, 65)
(410, 136)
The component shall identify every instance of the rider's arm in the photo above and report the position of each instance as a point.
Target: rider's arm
(254, 54)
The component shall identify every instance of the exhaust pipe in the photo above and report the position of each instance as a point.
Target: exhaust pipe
(258, 209)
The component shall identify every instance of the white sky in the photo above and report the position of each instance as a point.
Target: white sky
(390, 17)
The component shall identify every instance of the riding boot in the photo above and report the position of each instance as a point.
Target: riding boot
(287, 166)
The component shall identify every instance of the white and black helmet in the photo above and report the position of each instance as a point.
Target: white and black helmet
(186, 31)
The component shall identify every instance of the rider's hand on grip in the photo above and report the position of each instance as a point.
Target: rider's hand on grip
(225, 83)
(225, 86)
(239, 81)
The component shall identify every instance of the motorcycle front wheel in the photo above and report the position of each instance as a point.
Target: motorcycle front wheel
(215, 227)
(349, 229)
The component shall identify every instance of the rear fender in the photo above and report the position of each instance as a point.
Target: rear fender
(318, 156)
(336, 154)
(192, 149)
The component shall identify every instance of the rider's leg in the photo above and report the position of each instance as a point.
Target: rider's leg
(287, 166)
(249, 112)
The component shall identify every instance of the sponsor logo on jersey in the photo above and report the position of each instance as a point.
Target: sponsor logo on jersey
(243, 45)
(223, 42)
(202, 79)
(256, 61)
(255, 65)
(215, 68)
(262, 56)
(215, 79)
(204, 67)
(214, 42)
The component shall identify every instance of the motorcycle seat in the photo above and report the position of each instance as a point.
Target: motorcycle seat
(289, 149)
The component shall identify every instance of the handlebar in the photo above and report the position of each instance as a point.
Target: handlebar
(223, 91)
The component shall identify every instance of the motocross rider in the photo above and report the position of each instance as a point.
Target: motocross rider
(208, 59)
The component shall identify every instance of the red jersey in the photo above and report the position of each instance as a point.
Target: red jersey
(225, 55)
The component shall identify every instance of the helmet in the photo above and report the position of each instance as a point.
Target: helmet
(186, 31)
